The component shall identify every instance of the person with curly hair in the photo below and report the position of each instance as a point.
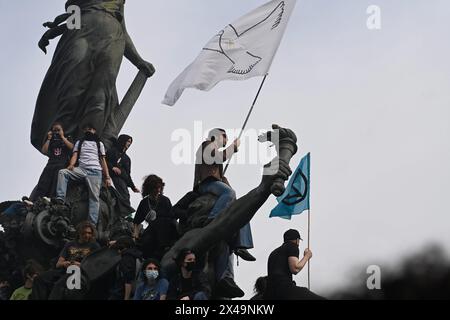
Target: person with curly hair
(156, 210)
(72, 254)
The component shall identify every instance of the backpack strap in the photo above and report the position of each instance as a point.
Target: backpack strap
(80, 143)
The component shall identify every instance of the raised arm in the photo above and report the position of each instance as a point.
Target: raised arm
(44, 149)
(296, 265)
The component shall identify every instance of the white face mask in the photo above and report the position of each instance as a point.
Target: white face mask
(151, 274)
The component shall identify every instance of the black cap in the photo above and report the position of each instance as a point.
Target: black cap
(291, 234)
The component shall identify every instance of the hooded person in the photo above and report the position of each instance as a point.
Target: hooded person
(119, 164)
(125, 274)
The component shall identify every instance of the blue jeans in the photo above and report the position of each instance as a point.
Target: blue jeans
(223, 264)
(200, 296)
(93, 180)
(225, 196)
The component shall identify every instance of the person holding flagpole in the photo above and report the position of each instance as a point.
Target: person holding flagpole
(209, 178)
(282, 264)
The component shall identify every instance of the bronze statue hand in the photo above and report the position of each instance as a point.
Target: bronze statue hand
(285, 141)
(49, 25)
(146, 67)
(274, 171)
(43, 43)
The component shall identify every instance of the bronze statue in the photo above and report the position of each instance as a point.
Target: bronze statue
(80, 85)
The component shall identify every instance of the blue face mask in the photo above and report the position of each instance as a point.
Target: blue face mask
(151, 274)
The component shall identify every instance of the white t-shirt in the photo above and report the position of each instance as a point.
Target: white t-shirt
(88, 159)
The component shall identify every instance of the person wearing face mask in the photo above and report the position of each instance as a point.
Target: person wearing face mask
(119, 164)
(87, 163)
(282, 264)
(189, 283)
(151, 285)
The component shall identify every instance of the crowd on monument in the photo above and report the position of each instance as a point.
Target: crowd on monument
(138, 275)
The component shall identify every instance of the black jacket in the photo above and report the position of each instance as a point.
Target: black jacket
(119, 159)
(199, 283)
(125, 273)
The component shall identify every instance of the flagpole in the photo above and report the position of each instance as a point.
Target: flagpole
(309, 224)
(309, 242)
(247, 118)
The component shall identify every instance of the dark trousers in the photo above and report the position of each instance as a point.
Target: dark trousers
(122, 188)
(46, 186)
(289, 291)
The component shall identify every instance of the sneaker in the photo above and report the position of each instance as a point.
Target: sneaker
(244, 254)
(58, 201)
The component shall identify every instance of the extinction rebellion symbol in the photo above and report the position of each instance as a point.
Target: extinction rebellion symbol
(296, 196)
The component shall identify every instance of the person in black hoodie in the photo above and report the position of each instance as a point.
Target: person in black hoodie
(126, 269)
(119, 164)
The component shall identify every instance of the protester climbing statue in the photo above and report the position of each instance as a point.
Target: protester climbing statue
(80, 85)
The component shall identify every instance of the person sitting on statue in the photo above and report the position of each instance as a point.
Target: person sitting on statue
(5, 288)
(52, 282)
(17, 209)
(282, 264)
(126, 270)
(119, 164)
(209, 178)
(156, 210)
(151, 286)
(189, 283)
(58, 148)
(87, 164)
(30, 272)
(259, 288)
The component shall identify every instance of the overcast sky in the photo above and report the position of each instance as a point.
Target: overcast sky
(372, 107)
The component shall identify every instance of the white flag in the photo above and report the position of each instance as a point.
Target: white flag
(242, 50)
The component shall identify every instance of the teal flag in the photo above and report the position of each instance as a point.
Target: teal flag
(295, 198)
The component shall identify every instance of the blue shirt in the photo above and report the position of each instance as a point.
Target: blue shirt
(145, 292)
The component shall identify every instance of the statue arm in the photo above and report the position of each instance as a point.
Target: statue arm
(234, 217)
(131, 52)
(133, 56)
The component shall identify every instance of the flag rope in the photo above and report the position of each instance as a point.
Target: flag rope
(247, 118)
